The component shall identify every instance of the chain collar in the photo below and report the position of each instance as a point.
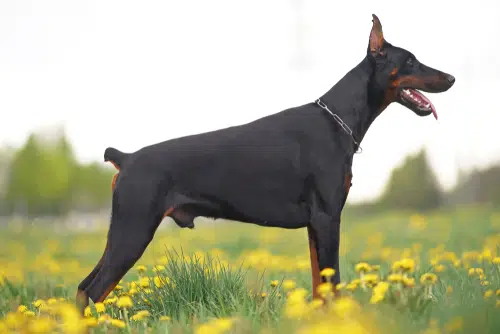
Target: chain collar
(342, 124)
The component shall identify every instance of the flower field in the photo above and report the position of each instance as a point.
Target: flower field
(438, 273)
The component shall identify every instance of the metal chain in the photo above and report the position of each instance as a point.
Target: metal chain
(342, 124)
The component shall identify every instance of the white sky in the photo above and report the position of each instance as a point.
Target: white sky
(132, 73)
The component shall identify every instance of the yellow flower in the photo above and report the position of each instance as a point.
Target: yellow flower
(498, 303)
(488, 294)
(353, 285)
(378, 293)
(144, 282)
(87, 312)
(428, 278)
(274, 283)
(476, 272)
(103, 318)
(117, 323)
(110, 301)
(439, 268)
(223, 324)
(496, 260)
(29, 313)
(345, 306)
(124, 302)
(23, 308)
(263, 294)
(370, 279)
(100, 307)
(409, 282)
(327, 272)
(41, 325)
(316, 303)
(325, 288)
(449, 290)
(498, 293)
(158, 268)
(165, 318)
(141, 269)
(118, 288)
(363, 267)
(340, 286)
(288, 284)
(51, 301)
(485, 283)
(395, 278)
(158, 282)
(90, 322)
(39, 303)
(141, 315)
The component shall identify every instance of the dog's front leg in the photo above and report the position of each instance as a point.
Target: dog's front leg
(324, 241)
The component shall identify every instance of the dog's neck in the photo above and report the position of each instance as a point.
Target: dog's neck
(350, 99)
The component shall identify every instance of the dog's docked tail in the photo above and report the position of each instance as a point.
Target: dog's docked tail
(114, 156)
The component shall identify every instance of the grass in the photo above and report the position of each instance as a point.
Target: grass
(438, 273)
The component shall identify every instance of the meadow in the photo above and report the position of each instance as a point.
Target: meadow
(401, 272)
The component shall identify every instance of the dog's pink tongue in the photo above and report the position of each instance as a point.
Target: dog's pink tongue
(426, 100)
(433, 110)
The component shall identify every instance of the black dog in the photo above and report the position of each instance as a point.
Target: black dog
(291, 169)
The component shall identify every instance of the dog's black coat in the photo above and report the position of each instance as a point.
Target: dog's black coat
(291, 169)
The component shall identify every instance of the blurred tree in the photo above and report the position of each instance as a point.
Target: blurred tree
(412, 186)
(477, 186)
(46, 179)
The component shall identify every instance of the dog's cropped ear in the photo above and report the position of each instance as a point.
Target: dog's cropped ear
(376, 37)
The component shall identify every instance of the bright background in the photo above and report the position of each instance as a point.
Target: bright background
(129, 74)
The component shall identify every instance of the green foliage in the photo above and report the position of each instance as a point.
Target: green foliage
(412, 185)
(46, 179)
(477, 186)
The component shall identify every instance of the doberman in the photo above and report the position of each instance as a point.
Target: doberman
(291, 169)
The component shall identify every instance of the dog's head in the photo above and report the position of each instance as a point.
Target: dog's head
(399, 76)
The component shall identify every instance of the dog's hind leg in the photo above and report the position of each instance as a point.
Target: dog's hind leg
(134, 221)
(82, 299)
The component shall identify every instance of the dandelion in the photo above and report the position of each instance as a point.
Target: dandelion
(263, 294)
(104, 318)
(488, 294)
(340, 286)
(51, 301)
(428, 278)
(22, 308)
(370, 280)
(395, 278)
(362, 268)
(378, 293)
(327, 272)
(496, 260)
(345, 306)
(449, 290)
(141, 269)
(39, 303)
(316, 303)
(223, 324)
(144, 282)
(408, 282)
(124, 302)
(110, 301)
(353, 285)
(87, 312)
(288, 284)
(274, 283)
(117, 323)
(439, 268)
(100, 307)
(141, 315)
(90, 322)
(325, 289)
(157, 268)
(41, 325)
(29, 313)
(158, 282)
(165, 318)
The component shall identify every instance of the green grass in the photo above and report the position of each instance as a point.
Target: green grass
(222, 270)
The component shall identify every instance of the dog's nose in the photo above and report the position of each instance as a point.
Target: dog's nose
(450, 78)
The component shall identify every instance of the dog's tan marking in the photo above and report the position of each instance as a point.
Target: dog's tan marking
(316, 278)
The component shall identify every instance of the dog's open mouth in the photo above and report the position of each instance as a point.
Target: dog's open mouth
(416, 101)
